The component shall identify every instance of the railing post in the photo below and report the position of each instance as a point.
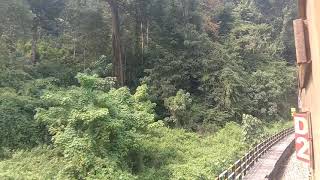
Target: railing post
(250, 158)
(233, 172)
(240, 168)
(245, 165)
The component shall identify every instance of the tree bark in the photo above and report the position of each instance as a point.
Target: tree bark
(35, 26)
(74, 45)
(142, 41)
(118, 69)
(147, 33)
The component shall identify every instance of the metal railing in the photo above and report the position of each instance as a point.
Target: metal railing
(240, 168)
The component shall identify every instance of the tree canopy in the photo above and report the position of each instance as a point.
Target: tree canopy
(140, 89)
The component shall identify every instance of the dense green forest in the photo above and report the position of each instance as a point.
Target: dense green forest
(140, 89)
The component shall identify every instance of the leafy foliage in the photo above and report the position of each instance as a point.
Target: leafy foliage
(251, 128)
(269, 91)
(17, 126)
(89, 125)
(205, 80)
(179, 106)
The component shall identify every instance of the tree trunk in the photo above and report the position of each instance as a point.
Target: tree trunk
(147, 33)
(74, 45)
(142, 41)
(34, 40)
(118, 70)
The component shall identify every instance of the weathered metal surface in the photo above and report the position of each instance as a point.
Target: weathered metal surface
(300, 41)
(302, 9)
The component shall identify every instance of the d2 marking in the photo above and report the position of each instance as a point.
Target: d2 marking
(302, 137)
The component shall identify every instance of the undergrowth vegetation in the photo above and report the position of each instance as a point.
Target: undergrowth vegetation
(99, 132)
(140, 89)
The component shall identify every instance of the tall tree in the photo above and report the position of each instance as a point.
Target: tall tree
(117, 62)
(35, 26)
(45, 12)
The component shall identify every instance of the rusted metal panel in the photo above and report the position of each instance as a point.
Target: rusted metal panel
(300, 41)
(303, 51)
(302, 9)
(305, 71)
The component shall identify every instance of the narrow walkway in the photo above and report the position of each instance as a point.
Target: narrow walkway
(266, 163)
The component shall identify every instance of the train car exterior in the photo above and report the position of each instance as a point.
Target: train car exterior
(307, 35)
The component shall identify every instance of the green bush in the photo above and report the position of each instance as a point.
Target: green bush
(252, 129)
(177, 154)
(18, 129)
(90, 126)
